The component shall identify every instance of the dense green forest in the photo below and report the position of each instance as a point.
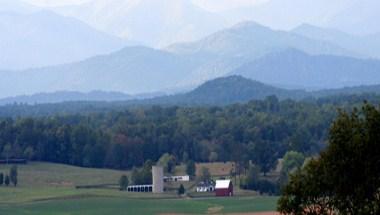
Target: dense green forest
(116, 136)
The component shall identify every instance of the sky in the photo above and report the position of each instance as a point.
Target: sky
(210, 5)
(52, 3)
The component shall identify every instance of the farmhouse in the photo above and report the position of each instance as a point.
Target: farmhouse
(176, 178)
(224, 188)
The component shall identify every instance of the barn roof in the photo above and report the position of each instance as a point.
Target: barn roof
(222, 184)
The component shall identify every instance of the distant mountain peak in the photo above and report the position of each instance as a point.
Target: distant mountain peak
(306, 26)
(248, 24)
(57, 38)
(309, 29)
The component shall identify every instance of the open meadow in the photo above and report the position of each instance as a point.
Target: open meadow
(46, 188)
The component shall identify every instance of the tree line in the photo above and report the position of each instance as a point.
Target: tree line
(260, 131)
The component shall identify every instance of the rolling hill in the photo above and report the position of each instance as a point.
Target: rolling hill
(228, 90)
(237, 89)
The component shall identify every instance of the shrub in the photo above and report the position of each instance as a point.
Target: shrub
(181, 190)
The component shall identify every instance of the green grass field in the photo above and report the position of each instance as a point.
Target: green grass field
(50, 189)
(118, 205)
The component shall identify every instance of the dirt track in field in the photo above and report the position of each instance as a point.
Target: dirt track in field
(253, 213)
(258, 213)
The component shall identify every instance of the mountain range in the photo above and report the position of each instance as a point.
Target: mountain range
(79, 47)
(182, 20)
(141, 69)
(357, 17)
(160, 23)
(282, 58)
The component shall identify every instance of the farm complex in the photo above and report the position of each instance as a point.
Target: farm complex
(222, 187)
(44, 186)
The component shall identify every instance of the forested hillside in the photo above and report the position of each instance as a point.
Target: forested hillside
(125, 137)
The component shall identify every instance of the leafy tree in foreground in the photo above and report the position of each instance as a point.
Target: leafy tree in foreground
(123, 182)
(291, 162)
(345, 179)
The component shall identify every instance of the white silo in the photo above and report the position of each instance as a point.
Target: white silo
(158, 179)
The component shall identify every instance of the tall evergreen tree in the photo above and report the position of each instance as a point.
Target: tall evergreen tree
(1, 178)
(13, 175)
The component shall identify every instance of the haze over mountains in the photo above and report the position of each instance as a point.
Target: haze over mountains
(31, 37)
(43, 38)
(366, 45)
(89, 47)
(169, 21)
(179, 20)
(296, 69)
(165, 20)
(141, 69)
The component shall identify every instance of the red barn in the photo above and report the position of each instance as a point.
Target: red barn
(224, 188)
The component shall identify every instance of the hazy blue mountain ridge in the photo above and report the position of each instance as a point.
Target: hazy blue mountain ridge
(44, 38)
(367, 45)
(64, 96)
(250, 39)
(244, 42)
(132, 69)
(296, 68)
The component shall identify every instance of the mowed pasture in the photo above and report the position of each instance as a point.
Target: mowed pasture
(131, 206)
(47, 188)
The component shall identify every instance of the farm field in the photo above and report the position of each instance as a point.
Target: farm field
(47, 188)
(130, 206)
